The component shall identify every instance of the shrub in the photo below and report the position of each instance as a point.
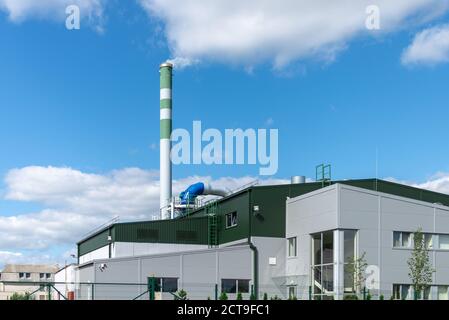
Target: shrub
(265, 296)
(381, 297)
(20, 296)
(351, 297)
(275, 298)
(239, 296)
(223, 296)
(182, 295)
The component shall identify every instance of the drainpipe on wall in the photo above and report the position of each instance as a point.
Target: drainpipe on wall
(254, 250)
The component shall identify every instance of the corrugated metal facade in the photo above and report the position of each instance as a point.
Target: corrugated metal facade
(268, 222)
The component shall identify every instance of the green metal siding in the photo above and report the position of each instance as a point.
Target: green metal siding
(95, 242)
(271, 200)
(186, 231)
(270, 222)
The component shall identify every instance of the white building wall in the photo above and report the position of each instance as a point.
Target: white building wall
(101, 253)
(375, 215)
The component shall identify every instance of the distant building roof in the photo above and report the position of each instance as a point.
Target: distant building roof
(32, 268)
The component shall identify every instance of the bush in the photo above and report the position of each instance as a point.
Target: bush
(351, 297)
(252, 296)
(223, 296)
(275, 298)
(239, 296)
(20, 296)
(182, 295)
(292, 298)
(381, 297)
(265, 296)
(368, 296)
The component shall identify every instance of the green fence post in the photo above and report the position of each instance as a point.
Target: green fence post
(364, 293)
(151, 287)
(93, 290)
(216, 291)
(310, 292)
(49, 291)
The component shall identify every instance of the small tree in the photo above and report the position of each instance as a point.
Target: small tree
(239, 296)
(420, 268)
(356, 271)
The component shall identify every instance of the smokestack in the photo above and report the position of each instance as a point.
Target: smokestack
(165, 70)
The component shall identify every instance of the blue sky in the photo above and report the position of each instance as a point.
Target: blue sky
(88, 101)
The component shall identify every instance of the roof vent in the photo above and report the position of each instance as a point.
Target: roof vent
(298, 179)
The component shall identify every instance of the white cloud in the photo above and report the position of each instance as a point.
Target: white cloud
(430, 46)
(19, 10)
(256, 31)
(76, 202)
(181, 63)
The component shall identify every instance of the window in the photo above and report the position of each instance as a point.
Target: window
(428, 240)
(21, 275)
(243, 286)
(444, 241)
(48, 275)
(349, 253)
(234, 286)
(401, 291)
(27, 275)
(231, 219)
(405, 241)
(166, 285)
(292, 247)
(323, 264)
(292, 292)
(442, 293)
(402, 239)
(41, 275)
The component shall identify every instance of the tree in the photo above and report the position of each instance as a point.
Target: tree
(420, 268)
(356, 271)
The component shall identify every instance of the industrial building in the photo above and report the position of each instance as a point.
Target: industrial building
(290, 240)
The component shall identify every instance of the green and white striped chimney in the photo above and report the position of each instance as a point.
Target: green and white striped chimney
(166, 74)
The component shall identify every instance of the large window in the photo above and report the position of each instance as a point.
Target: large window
(349, 253)
(231, 219)
(323, 263)
(431, 241)
(234, 286)
(292, 247)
